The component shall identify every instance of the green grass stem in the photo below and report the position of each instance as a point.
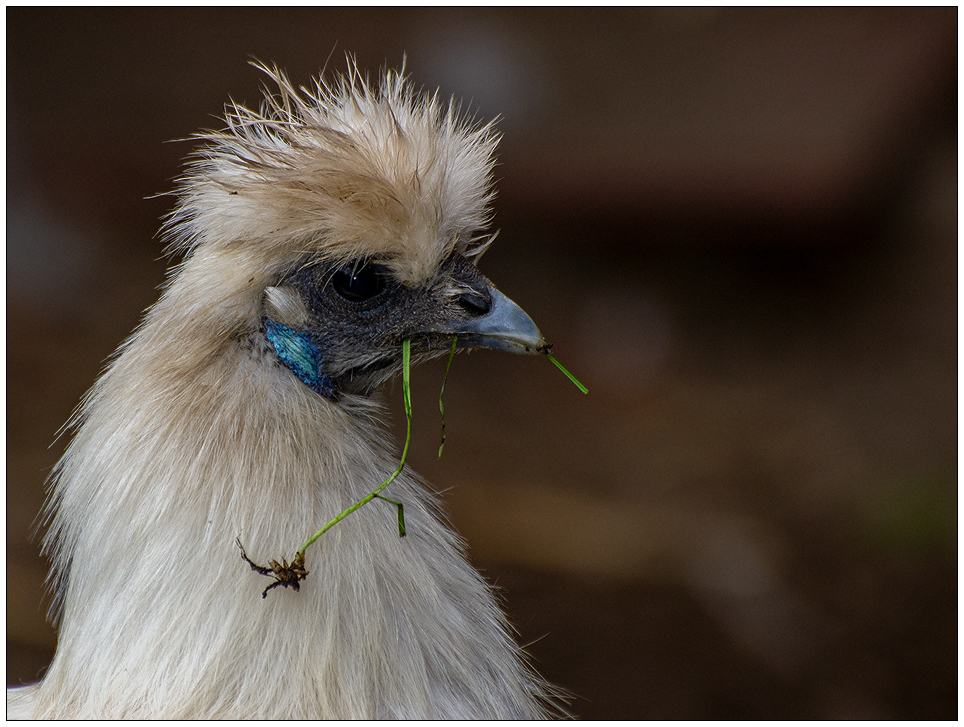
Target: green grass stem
(441, 407)
(407, 394)
(562, 368)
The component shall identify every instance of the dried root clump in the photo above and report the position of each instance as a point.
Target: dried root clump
(285, 574)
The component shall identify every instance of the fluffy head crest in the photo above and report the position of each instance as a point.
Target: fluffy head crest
(342, 170)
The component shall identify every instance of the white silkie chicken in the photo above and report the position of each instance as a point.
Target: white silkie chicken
(318, 234)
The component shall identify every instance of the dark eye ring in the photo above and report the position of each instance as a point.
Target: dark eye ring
(358, 283)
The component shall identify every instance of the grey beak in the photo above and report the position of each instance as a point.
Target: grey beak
(506, 327)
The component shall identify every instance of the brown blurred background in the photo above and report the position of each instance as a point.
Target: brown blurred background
(737, 226)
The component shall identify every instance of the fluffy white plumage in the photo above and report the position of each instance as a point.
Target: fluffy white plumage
(195, 436)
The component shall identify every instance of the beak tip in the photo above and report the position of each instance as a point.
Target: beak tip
(506, 327)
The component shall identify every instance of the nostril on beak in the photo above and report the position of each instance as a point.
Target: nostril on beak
(476, 304)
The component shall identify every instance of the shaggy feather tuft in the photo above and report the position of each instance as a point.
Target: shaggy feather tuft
(344, 169)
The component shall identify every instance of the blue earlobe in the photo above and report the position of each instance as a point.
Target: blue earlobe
(299, 354)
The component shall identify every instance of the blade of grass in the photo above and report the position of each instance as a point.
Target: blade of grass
(562, 368)
(441, 407)
(407, 395)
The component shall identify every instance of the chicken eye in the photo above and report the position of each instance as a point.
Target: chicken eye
(356, 284)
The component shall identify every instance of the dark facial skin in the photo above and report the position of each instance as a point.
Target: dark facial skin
(359, 314)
